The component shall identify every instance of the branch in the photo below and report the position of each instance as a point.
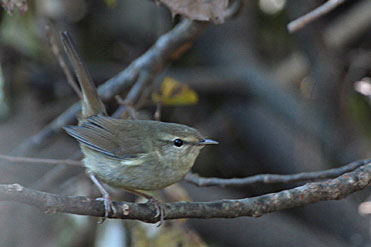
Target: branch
(133, 94)
(274, 178)
(41, 160)
(152, 62)
(302, 21)
(333, 189)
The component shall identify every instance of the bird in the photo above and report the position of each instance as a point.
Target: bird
(134, 155)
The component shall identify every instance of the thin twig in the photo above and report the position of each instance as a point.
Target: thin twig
(274, 178)
(41, 161)
(58, 172)
(152, 62)
(55, 49)
(143, 99)
(127, 105)
(333, 189)
(302, 21)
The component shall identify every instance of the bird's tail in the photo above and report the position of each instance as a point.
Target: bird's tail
(91, 103)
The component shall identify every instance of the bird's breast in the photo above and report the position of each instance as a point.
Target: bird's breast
(147, 172)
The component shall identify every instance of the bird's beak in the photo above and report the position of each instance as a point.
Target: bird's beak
(207, 141)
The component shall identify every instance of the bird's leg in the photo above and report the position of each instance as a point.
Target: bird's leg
(108, 206)
(160, 209)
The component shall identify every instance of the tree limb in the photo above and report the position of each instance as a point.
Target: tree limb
(333, 189)
(274, 178)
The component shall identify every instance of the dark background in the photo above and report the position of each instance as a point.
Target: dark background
(276, 102)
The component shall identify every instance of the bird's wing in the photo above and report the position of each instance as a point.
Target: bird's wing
(108, 136)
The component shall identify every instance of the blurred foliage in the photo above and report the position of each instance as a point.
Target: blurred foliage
(21, 32)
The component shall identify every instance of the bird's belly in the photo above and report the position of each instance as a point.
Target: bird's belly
(143, 177)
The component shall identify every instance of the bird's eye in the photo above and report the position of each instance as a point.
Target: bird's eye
(178, 142)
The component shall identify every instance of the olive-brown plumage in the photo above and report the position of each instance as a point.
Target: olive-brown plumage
(137, 154)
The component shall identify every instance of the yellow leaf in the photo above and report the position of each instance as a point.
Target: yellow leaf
(110, 3)
(173, 92)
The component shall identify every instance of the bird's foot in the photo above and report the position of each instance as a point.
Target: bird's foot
(109, 209)
(160, 209)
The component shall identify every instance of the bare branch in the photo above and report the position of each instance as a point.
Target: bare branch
(40, 161)
(134, 93)
(274, 178)
(152, 62)
(333, 189)
(302, 21)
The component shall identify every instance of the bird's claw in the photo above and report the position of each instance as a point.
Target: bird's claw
(109, 209)
(160, 209)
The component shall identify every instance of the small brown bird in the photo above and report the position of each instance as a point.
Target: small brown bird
(129, 154)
